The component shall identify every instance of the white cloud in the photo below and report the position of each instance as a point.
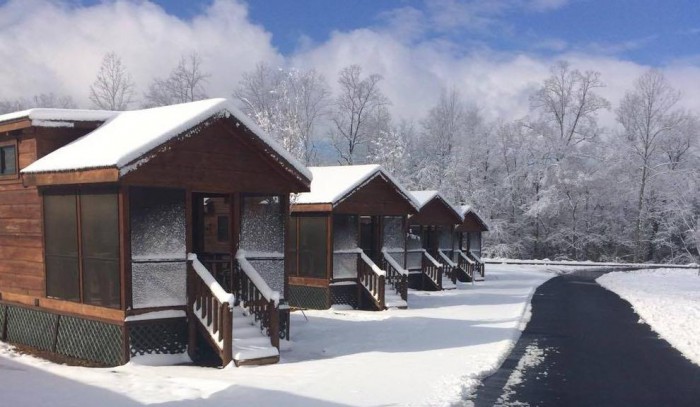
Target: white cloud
(46, 46)
(49, 46)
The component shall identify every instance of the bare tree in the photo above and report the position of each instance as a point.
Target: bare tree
(113, 88)
(44, 100)
(359, 101)
(648, 118)
(184, 84)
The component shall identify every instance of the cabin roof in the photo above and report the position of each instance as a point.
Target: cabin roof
(332, 184)
(44, 117)
(467, 209)
(424, 197)
(127, 136)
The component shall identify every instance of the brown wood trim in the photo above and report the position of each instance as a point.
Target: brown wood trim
(308, 281)
(125, 248)
(94, 176)
(66, 307)
(141, 311)
(18, 124)
(311, 208)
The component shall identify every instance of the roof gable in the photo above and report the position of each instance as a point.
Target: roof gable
(129, 139)
(435, 210)
(472, 221)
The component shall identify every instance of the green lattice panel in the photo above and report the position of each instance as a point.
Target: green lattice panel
(90, 340)
(308, 297)
(158, 337)
(30, 327)
(344, 294)
(2, 320)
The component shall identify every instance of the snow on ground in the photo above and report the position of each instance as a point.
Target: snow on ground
(666, 299)
(430, 354)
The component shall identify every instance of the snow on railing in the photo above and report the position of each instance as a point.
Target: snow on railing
(253, 275)
(465, 257)
(221, 295)
(364, 258)
(475, 256)
(393, 262)
(431, 259)
(446, 259)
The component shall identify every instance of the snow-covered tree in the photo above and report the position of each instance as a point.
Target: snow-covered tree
(113, 89)
(650, 120)
(288, 104)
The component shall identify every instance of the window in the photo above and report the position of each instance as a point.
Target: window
(8, 159)
(82, 248)
(222, 225)
(312, 246)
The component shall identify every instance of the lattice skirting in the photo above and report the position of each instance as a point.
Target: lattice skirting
(164, 336)
(415, 281)
(70, 336)
(308, 297)
(3, 309)
(344, 294)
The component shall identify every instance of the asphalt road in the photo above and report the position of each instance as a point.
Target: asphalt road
(584, 346)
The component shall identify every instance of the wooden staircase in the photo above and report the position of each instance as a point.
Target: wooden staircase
(243, 329)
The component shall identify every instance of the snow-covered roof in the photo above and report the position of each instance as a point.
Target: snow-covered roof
(127, 136)
(330, 185)
(43, 117)
(466, 209)
(423, 197)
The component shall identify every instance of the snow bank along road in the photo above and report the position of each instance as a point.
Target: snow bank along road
(430, 354)
(584, 346)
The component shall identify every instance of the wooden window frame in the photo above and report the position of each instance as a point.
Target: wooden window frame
(14, 176)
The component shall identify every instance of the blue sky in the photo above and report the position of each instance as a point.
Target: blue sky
(645, 31)
(495, 52)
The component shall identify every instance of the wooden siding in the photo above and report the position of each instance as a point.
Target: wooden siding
(378, 197)
(21, 243)
(435, 212)
(220, 158)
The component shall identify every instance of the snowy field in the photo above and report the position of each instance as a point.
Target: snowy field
(430, 354)
(666, 299)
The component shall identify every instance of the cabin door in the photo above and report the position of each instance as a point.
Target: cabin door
(212, 234)
(370, 239)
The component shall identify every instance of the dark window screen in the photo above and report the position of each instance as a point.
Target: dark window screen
(292, 247)
(222, 226)
(8, 160)
(100, 232)
(313, 253)
(61, 234)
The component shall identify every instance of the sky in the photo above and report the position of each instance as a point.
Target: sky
(495, 52)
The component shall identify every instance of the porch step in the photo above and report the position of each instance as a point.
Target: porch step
(393, 300)
(447, 284)
(250, 345)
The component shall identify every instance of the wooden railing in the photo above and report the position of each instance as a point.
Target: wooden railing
(212, 306)
(396, 275)
(220, 265)
(432, 269)
(259, 299)
(450, 267)
(478, 263)
(466, 265)
(372, 278)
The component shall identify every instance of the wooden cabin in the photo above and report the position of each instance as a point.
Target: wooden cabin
(430, 243)
(104, 250)
(468, 237)
(347, 240)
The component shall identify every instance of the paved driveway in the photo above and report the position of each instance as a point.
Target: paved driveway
(584, 346)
